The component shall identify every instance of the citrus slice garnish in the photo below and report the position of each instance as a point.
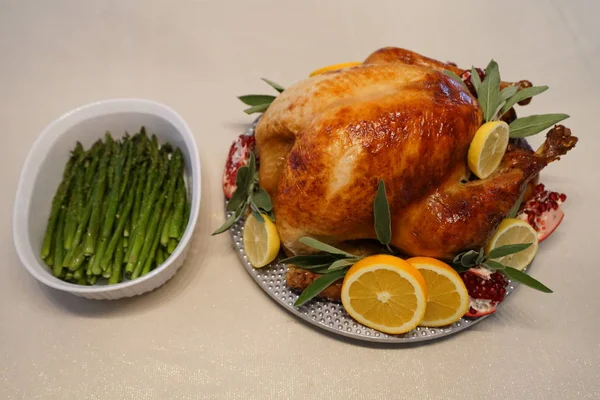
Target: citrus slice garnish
(487, 148)
(515, 231)
(334, 67)
(447, 295)
(261, 241)
(385, 293)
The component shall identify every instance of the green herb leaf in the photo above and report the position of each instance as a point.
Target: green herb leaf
(507, 250)
(315, 244)
(515, 210)
(508, 92)
(469, 259)
(274, 85)
(381, 211)
(256, 212)
(262, 200)
(228, 224)
(475, 79)
(527, 126)
(257, 99)
(525, 279)
(459, 268)
(455, 77)
(310, 260)
(257, 108)
(251, 173)
(494, 265)
(239, 197)
(339, 264)
(522, 95)
(489, 91)
(480, 256)
(320, 284)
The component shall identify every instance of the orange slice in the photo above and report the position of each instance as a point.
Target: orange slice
(385, 293)
(447, 296)
(334, 67)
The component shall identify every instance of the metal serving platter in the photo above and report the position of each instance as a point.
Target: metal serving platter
(329, 315)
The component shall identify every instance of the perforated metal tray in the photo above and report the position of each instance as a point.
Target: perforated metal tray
(329, 315)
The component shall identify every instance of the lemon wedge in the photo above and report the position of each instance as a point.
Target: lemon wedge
(487, 148)
(385, 293)
(515, 231)
(261, 241)
(447, 295)
(334, 67)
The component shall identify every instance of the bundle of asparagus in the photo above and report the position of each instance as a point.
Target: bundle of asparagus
(119, 211)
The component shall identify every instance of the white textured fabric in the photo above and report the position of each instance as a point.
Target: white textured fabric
(210, 332)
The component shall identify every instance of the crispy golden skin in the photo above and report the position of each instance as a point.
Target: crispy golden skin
(325, 143)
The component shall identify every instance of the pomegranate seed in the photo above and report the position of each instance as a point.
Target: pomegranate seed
(539, 188)
(554, 196)
(563, 197)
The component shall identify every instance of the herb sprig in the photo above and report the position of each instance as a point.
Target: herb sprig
(260, 102)
(495, 102)
(472, 258)
(335, 262)
(248, 195)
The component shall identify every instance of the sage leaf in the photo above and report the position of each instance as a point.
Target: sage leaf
(251, 173)
(469, 258)
(527, 126)
(257, 99)
(257, 108)
(320, 284)
(515, 210)
(310, 260)
(343, 263)
(455, 77)
(508, 92)
(256, 212)
(274, 85)
(475, 79)
(315, 244)
(228, 224)
(480, 256)
(525, 279)
(494, 265)
(381, 211)
(489, 91)
(507, 250)
(459, 268)
(522, 95)
(242, 177)
(262, 200)
(239, 197)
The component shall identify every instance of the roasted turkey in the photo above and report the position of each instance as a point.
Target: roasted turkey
(326, 142)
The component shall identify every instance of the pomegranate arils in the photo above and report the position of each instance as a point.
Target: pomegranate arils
(543, 211)
(466, 77)
(486, 289)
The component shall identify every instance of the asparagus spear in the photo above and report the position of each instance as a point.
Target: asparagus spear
(59, 244)
(117, 266)
(129, 162)
(164, 237)
(80, 272)
(115, 239)
(174, 171)
(73, 209)
(137, 205)
(172, 245)
(58, 199)
(186, 217)
(111, 210)
(180, 198)
(78, 257)
(145, 237)
(97, 198)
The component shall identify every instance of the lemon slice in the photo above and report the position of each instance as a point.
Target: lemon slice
(447, 295)
(515, 231)
(334, 67)
(487, 148)
(261, 241)
(385, 293)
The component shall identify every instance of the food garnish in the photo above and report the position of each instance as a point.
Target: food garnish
(543, 211)
(334, 67)
(486, 290)
(112, 207)
(248, 195)
(260, 102)
(385, 293)
(487, 148)
(510, 232)
(261, 241)
(447, 296)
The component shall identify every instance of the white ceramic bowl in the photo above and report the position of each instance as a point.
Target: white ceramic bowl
(42, 173)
